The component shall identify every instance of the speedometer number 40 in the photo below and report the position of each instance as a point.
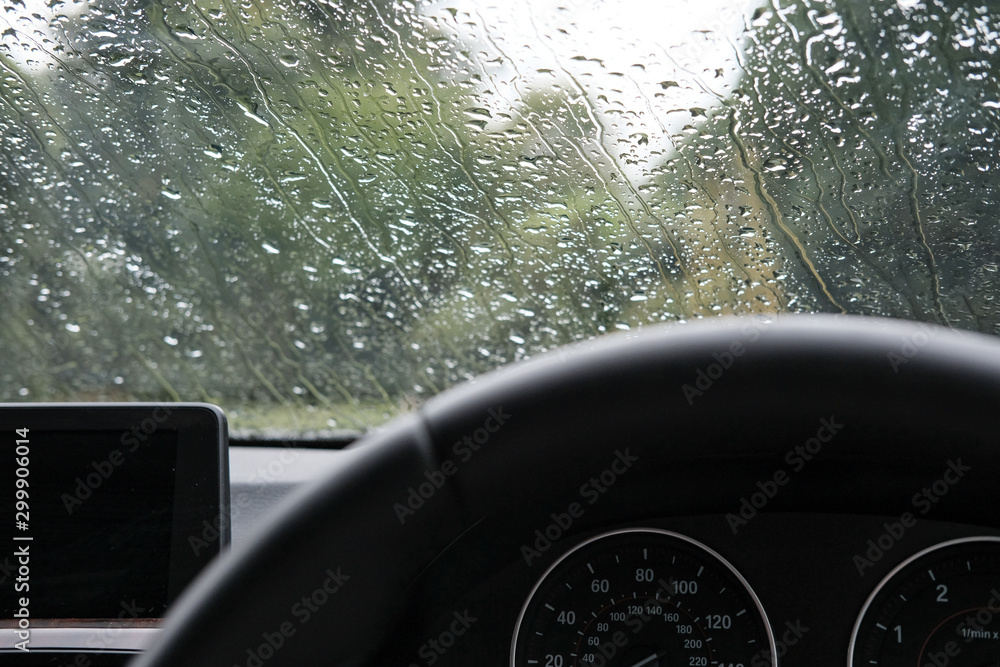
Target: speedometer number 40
(642, 598)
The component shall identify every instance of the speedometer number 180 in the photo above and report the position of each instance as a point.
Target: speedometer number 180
(642, 598)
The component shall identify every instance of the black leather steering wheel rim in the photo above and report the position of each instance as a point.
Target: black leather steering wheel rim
(690, 395)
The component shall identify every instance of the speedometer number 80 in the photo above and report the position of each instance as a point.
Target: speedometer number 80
(642, 596)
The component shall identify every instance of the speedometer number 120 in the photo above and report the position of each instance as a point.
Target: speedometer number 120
(642, 598)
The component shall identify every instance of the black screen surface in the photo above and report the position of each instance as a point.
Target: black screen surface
(101, 517)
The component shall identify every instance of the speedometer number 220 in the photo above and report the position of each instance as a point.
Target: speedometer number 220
(642, 598)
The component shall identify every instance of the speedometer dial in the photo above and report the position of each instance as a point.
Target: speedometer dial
(642, 598)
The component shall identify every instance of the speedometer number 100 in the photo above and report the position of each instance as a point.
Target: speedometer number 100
(641, 597)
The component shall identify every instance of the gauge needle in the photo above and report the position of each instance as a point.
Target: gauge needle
(646, 661)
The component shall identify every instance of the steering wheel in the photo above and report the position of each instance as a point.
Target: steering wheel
(332, 575)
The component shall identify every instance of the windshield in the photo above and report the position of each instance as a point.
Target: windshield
(317, 214)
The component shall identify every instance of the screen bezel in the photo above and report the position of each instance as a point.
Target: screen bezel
(201, 488)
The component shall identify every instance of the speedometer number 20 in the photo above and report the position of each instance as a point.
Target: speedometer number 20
(642, 598)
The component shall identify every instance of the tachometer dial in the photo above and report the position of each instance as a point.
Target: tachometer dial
(939, 607)
(642, 598)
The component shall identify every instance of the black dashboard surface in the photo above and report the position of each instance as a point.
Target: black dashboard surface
(816, 458)
(811, 572)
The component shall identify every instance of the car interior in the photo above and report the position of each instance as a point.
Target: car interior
(537, 332)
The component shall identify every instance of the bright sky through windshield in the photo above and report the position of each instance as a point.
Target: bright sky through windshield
(29, 31)
(623, 58)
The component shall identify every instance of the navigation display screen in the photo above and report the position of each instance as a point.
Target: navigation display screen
(101, 517)
(107, 512)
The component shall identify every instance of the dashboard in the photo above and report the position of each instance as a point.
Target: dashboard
(831, 504)
(809, 575)
(722, 494)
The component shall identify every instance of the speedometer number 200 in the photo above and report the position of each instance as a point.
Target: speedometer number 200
(642, 597)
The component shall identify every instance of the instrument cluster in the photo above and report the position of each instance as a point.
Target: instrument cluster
(788, 588)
